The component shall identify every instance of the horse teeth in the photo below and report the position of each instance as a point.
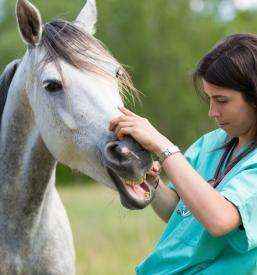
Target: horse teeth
(146, 195)
(136, 181)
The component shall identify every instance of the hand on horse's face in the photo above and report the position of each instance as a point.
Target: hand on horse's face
(140, 129)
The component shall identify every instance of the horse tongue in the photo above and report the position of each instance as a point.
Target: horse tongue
(138, 191)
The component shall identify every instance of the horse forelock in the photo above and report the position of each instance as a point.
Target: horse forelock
(5, 81)
(65, 41)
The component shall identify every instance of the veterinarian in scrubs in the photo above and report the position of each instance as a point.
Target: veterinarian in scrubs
(210, 204)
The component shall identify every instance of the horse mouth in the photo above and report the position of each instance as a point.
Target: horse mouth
(134, 193)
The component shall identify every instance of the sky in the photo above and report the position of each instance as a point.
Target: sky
(226, 11)
(245, 4)
(240, 4)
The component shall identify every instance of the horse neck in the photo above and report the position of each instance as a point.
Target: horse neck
(27, 172)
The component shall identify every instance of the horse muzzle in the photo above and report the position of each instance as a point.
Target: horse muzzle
(127, 164)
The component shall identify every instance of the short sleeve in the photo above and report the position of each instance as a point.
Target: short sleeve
(241, 190)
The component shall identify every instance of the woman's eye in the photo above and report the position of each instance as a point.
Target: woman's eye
(221, 100)
(52, 86)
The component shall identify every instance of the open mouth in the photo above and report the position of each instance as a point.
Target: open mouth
(135, 193)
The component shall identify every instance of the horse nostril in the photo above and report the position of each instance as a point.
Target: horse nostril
(116, 152)
(127, 158)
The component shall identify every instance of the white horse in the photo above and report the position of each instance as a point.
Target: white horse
(56, 104)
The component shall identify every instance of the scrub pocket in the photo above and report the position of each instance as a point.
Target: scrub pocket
(189, 231)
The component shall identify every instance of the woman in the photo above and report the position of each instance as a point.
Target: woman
(210, 206)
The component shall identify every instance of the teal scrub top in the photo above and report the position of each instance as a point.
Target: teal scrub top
(185, 246)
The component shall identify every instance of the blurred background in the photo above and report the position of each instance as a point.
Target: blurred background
(161, 41)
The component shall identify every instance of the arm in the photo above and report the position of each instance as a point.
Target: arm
(217, 215)
(164, 202)
(165, 199)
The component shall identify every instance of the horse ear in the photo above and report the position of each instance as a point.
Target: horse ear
(29, 22)
(87, 17)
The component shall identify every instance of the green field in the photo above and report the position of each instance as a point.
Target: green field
(109, 239)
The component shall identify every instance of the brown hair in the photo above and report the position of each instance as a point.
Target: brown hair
(232, 63)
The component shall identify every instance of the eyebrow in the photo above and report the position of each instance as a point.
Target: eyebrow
(215, 96)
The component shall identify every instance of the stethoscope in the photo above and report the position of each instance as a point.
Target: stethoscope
(216, 180)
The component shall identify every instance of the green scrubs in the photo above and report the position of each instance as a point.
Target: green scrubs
(185, 246)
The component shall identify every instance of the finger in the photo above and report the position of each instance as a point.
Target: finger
(153, 180)
(154, 170)
(151, 174)
(156, 167)
(127, 112)
(115, 122)
(121, 125)
(124, 132)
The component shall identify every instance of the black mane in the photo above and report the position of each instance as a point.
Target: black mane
(5, 82)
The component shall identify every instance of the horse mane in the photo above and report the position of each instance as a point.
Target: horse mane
(68, 42)
(5, 81)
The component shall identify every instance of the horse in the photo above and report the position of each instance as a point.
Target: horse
(56, 104)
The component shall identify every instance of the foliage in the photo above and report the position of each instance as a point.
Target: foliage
(161, 40)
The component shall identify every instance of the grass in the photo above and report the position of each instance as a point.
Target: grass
(109, 240)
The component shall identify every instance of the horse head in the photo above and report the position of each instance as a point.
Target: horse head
(74, 86)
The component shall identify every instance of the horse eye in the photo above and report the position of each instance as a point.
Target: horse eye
(52, 86)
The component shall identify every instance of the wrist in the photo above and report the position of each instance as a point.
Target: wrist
(169, 151)
(162, 146)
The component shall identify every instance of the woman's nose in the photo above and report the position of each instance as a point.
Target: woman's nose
(213, 111)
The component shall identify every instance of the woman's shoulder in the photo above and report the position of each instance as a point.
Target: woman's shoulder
(212, 140)
(206, 144)
(218, 135)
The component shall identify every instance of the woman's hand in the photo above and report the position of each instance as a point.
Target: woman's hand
(153, 175)
(140, 129)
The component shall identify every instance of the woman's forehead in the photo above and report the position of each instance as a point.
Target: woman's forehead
(215, 91)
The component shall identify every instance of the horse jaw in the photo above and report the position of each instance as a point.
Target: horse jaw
(87, 17)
